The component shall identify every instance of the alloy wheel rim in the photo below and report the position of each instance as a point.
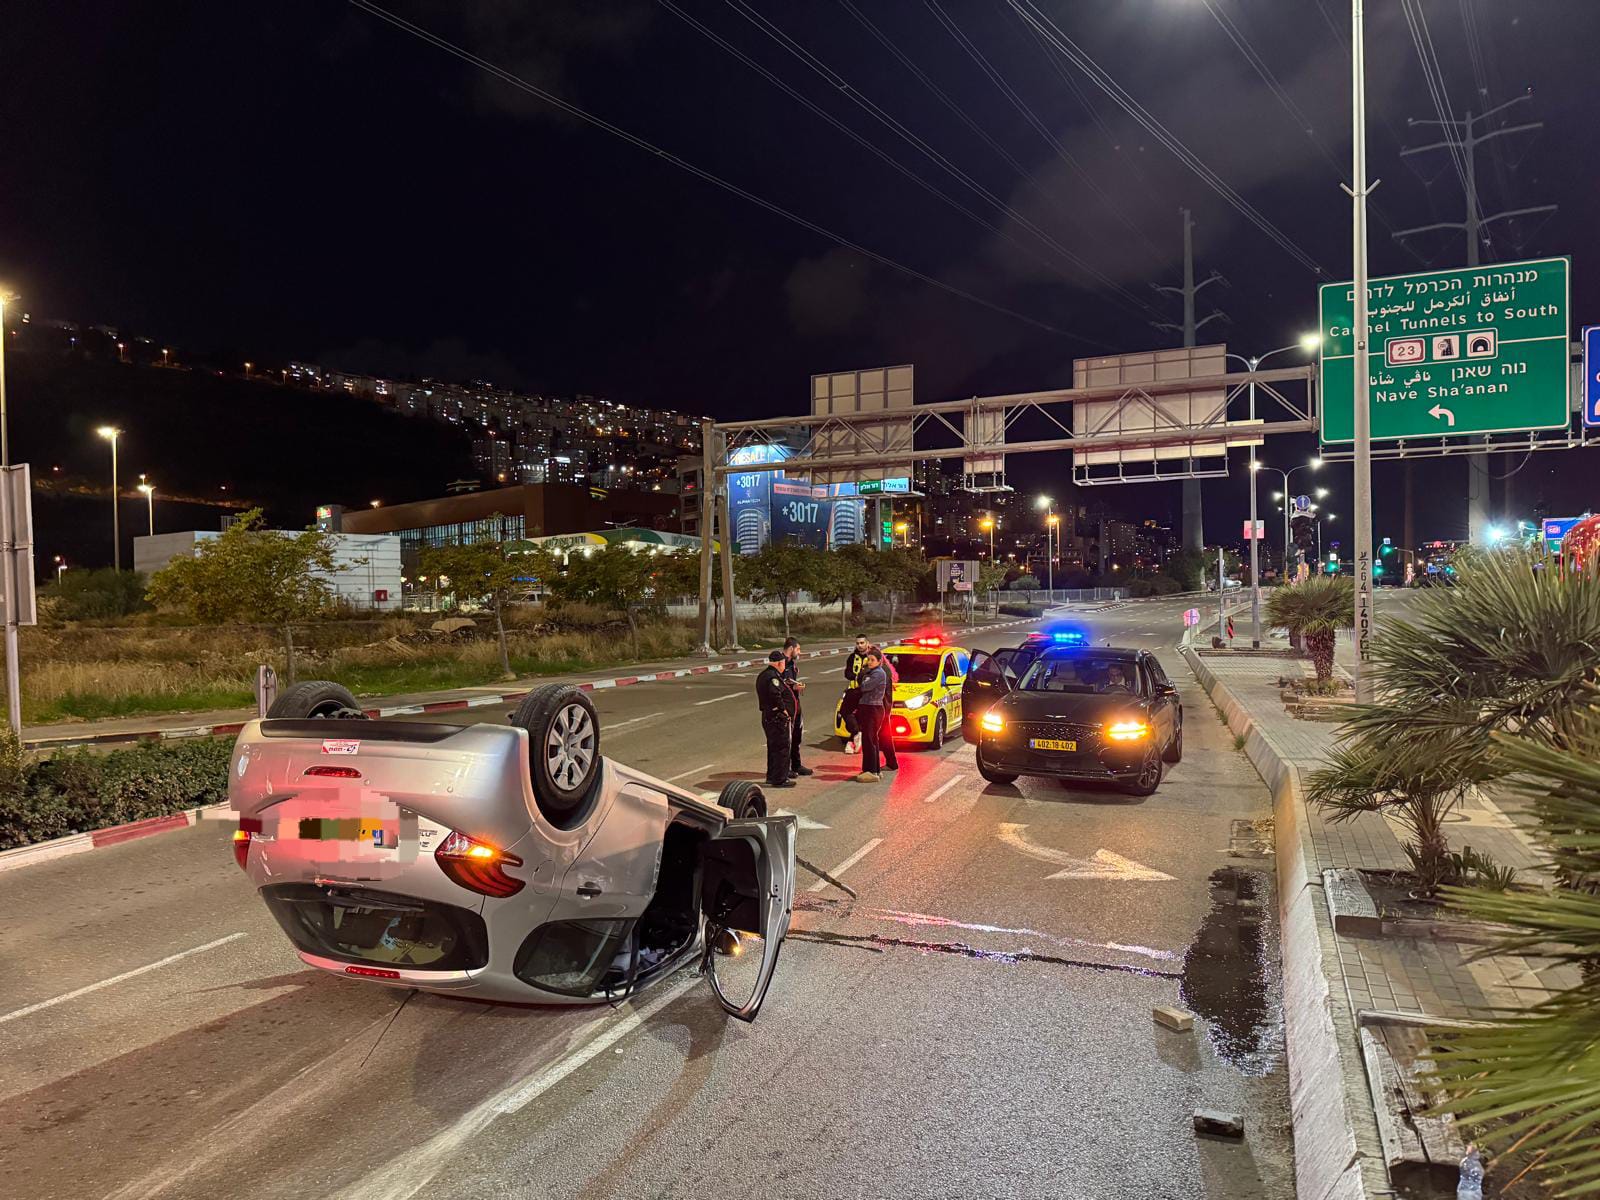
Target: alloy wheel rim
(569, 746)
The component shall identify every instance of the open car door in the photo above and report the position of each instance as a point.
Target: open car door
(747, 891)
(989, 677)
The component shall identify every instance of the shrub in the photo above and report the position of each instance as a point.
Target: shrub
(80, 595)
(78, 790)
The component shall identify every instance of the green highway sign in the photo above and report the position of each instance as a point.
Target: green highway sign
(1478, 350)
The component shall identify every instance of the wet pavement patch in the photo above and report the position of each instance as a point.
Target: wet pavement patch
(878, 942)
(1229, 977)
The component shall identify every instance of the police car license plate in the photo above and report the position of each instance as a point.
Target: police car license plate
(1051, 744)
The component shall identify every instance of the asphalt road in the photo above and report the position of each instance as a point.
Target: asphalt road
(159, 1038)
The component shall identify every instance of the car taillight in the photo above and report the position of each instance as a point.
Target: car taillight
(477, 866)
(333, 772)
(373, 972)
(1127, 731)
(248, 827)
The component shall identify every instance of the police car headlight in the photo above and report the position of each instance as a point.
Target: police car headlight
(918, 700)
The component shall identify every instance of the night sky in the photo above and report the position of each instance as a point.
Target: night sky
(303, 180)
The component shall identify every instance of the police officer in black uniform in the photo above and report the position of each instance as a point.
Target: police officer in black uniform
(777, 701)
(791, 676)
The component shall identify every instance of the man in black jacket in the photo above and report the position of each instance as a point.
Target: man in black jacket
(777, 701)
(854, 663)
(791, 676)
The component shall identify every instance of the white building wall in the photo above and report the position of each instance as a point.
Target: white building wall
(366, 564)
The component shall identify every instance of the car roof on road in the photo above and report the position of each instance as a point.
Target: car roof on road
(1120, 653)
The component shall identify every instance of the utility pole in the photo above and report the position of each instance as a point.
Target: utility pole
(1363, 370)
(1462, 139)
(8, 574)
(1193, 522)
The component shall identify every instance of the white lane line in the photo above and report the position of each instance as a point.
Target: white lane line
(126, 975)
(943, 788)
(610, 728)
(556, 1072)
(689, 772)
(847, 864)
(405, 1177)
(714, 699)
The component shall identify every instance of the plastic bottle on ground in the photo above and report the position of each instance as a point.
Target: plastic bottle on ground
(1470, 1185)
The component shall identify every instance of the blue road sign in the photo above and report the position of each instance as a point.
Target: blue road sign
(1555, 528)
(1591, 376)
(1302, 504)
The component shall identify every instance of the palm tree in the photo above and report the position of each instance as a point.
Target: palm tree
(1534, 1078)
(1315, 610)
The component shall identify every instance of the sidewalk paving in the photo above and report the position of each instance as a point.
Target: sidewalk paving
(1424, 976)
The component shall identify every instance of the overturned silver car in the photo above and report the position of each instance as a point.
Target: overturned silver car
(503, 862)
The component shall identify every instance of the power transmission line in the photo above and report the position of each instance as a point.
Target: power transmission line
(1030, 13)
(683, 164)
(916, 142)
(1033, 119)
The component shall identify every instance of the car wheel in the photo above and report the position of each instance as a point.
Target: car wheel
(744, 799)
(993, 776)
(1174, 752)
(938, 732)
(1148, 779)
(314, 698)
(563, 748)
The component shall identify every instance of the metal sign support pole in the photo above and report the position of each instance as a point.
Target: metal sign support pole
(1222, 598)
(725, 529)
(1363, 375)
(1255, 536)
(708, 491)
(7, 555)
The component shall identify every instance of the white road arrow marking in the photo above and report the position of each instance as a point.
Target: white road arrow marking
(1103, 865)
(801, 820)
(1438, 410)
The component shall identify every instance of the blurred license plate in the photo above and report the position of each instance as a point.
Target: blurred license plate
(1051, 744)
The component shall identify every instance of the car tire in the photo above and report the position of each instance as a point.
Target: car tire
(1148, 779)
(993, 776)
(1174, 751)
(938, 732)
(744, 799)
(563, 748)
(315, 698)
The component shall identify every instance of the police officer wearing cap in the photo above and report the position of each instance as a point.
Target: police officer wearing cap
(777, 701)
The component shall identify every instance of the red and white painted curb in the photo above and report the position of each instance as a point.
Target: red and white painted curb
(433, 706)
(96, 839)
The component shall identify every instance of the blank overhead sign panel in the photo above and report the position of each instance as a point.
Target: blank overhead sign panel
(884, 390)
(985, 428)
(1203, 412)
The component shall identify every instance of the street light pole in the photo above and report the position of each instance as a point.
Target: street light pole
(110, 433)
(8, 574)
(1306, 343)
(149, 490)
(1363, 380)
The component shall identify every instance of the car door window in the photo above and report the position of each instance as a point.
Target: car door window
(747, 896)
(578, 958)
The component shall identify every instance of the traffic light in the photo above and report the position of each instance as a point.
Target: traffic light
(1385, 558)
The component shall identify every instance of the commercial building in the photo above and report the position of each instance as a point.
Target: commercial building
(527, 511)
(367, 572)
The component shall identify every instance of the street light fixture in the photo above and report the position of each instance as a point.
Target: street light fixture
(1049, 505)
(111, 433)
(1284, 496)
(988, 524)
(1308, 342)
(149, 490)
(904, 529)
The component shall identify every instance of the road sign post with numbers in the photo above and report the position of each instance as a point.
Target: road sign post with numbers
(1591, 377)
(1473, 351)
